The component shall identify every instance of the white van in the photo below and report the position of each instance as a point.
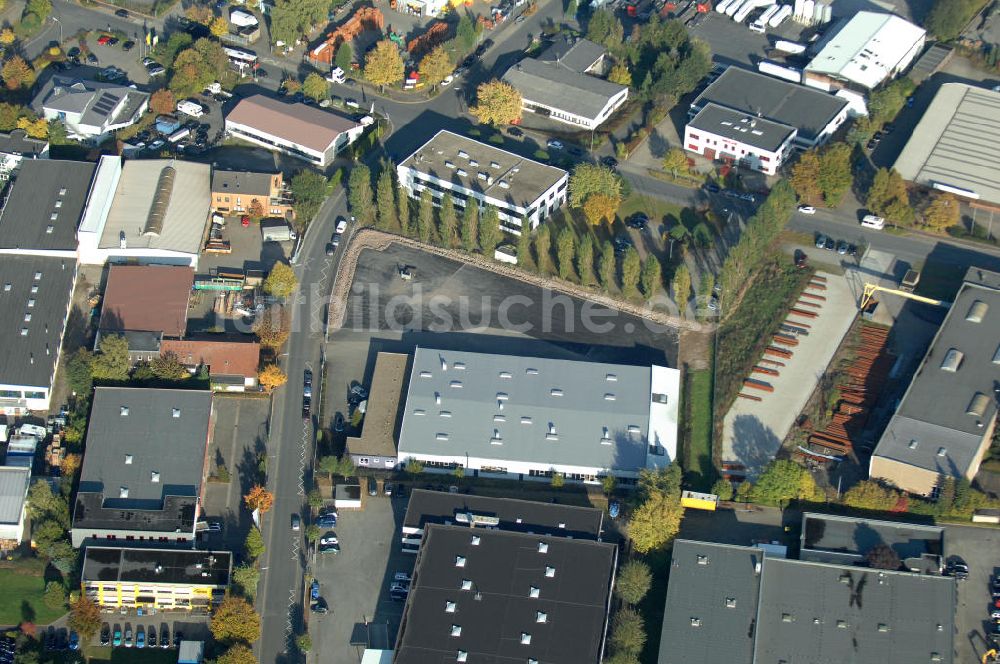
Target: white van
(872, 221)
(188, 107)
(337, 76)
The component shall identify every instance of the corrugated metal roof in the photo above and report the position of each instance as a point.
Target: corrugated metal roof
(13, 490)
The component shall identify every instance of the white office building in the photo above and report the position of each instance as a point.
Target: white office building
(520, 188)
(91, 110)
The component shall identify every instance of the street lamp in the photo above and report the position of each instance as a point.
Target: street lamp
(60, 30)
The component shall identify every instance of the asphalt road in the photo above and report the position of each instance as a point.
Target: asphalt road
(74, 17)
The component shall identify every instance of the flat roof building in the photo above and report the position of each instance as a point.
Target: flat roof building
(377, 444)
(17, 146)
(576, 54)
(739, 605)
(466, 169)
(146, 211)
(14, 483)
(529, 417)
(956, 145)
(146, 298)
(158, 579)
(144, 466)
(945, 421)
(235, 192)
(44, 207)
(828, 538)
(503, 596)
(91, 110)
(870, 48)
(36, 295)
(427, 507)
(724, 134)
(305, 132)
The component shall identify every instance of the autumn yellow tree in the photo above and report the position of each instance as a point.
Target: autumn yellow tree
(675, 161)
(162, 102)
(259, 498)
(943, 212)
(620, 74)
(85, 617)
(271, 327)
(272, 376)
(234, 620)
(498, 103)
(219, 27)
(805, 178)
(384, 65)
(435, 66)
(7, 37)
(281, 281)
(17, 73)
(37, 128)
(237, 654)
(599, 208)
(70, 464)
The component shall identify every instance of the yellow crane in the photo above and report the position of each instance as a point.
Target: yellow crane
(870, 289)
(989, 656)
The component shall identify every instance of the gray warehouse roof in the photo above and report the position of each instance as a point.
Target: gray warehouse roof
(35, 294)
(136, 432)
(849, 538)
(576, 54)
(13, 489)
(957, 143)
(442, 157)
(722, 607)
(531, 409)
(749, 129)
(157, 566)
(46, 194)
(18, 142)
(944, 414)
(553, 85)
(506, 597)
(807, 109)
(427, 507)
(242, 182)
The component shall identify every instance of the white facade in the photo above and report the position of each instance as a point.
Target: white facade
(719, 147)
(567, 116)
(320, 158)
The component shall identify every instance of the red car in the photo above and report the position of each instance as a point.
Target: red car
(103, 40)
(245, 221)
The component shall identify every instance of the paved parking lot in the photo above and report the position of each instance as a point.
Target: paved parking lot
(980, 548)
(355, 583)
(240, 435)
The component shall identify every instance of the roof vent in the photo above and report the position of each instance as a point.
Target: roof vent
(844, 578)
(609, 396)
(437, 398)
(730, 602)
(123, 492)
(495, 164)
(980, 402)
(543, 547)
(457, 384)
(419, 411)
(6, 288)
(525, 639)
(27, 318)
(473, 163)
(556, 392)
(882, 627)
(475, 540)
(445, 413)
(462, 172)
(541, 616)
(942, 451)
(449, 164)
(502, 396)
(531, 372)
(456, 630)
(459, 561)
(466, 584)
(506, 375)
(49, 229)
(787, 617)
(24, 331)
(154, 477)
(426, 374)
(952, 360)
(176, 412)
(914, 443)
(525, 419)
(977, 312)
(128, 459)
(449, 607)
(534, 592)
(458, 366)
(124, 413)
(550, 571)
(996, 356)
(461, 656)
(841, 624)
(463, 154)
(504, 184)
(634, 428)
(702, 559)
(696, 622)
(38, 275)
(31, 303)
(441, 436)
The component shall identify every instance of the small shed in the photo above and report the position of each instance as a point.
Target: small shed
(191, 652)
(347, 495)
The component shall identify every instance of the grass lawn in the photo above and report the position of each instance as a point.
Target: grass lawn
(698, 450)
(24, 585)
(656, 208)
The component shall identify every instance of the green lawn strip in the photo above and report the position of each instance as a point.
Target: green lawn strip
(22, 599)
(656, 208)
(700, 472)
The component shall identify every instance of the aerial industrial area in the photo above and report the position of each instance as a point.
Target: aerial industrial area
(546, 331)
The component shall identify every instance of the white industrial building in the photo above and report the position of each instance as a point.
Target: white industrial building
(723, 134)
(146, 211)
(518, 417)
(14, 482)
(869, 49)
(520, 188)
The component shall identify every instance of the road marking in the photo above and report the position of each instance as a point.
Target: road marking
(296, 539)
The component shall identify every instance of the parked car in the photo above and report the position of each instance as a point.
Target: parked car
(338, 422)
(296, 522)
(622, 242)
(128, 45)
(140, 637)
(92, 59)
(807, 209)
(842, 247)
(214, 527)
(104, 40)
(712, 188)
(553, 144)
(387, 489)
(515, 132)
(957, 568)
(122, 13)
(105, 634)
(610, 162)
(335, 240)
(372, 486)
(330, 249)
(820, 241)
(164, 636)
(330, 548)
(178, 637)
(117, 638)
(447, 80)
(314, 590)
(319, 606)
(829, 244)
(74, 640)
(341, 225)
(614, 509)
(128, 636)
(639, 220)
(307, 383)
(327, 520)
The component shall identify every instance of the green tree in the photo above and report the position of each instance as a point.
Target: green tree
(447, 221)
(887, 196)
(359, 195)
(558, 481)
(620, 74)
(723, 488)
(219, 27)
(655, 522)
(234, 620)
(652, 276)
(281, 281)
(435, 66)
(312, 533)
(247, 577)
(608, 484)
(628, 631)
(384, 65)
(414, 467)
(303, 642)
(17, 73)
(254, 544)
(78, 372)
(498, 103)
(565, 252)
(682, 286)
(314, 498)
(55, 595)
(631, 269)
(403, 209)
(543, 249)
(835, 173)
(633, 581)
(590, 179)
(675, 161)
(43, 505)
(470, 225)
(191, 73)
(345, 56)
(112, 363)
(871, 495)
(237, 654)
(40, 8)
(466, 33)
(316, 87)
(309, 189)
(943, 212)
(385, 199)
(606, 267)
(425, 215)
(782, 481)
(168, 367)
(948, 18)
(604, 28)
(585, 260)
(489, 231)
(805, 177)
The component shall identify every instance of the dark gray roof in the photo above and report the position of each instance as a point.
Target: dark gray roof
(18, 142)
(717, 585)
(546, 411)
(96, 100)
(722, 607)
(851, 538)
(576, 54)
(440, 507)
(242, 182)
(136, 431)
(43, 188)
(748, 129)
(29, 358)
(951, 401)
(807, 109)
(551, 84)
(148, 566)
(13, 489)
(565, 622)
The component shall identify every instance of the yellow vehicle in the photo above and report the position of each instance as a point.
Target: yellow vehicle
(699, 501)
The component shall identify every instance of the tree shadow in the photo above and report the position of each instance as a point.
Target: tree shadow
(27, 612)
(754, 445)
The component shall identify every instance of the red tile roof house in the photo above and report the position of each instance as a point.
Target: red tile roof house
(232, 365)
(306, 132)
